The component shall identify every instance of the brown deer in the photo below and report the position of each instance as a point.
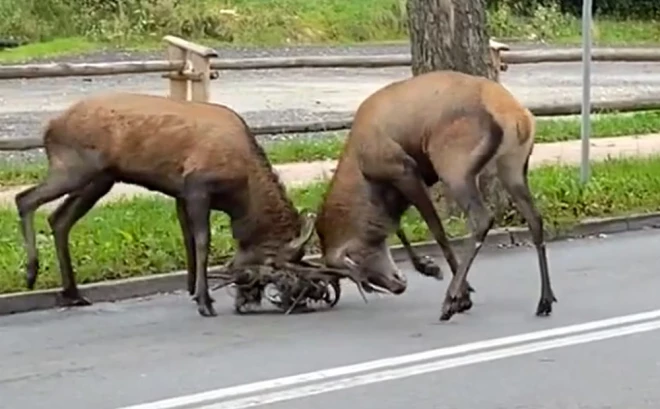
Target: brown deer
(201, 154)
(440, 126)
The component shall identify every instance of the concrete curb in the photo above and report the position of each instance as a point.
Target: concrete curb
(175, 281)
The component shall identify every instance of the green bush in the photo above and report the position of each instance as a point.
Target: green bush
(35, 20)
(278, 21)
(536, 22)
(622, 9)
(619, 9)
(256, 21)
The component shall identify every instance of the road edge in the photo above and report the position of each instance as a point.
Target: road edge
(117, 290)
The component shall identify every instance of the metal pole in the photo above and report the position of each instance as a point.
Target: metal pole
(586, 88)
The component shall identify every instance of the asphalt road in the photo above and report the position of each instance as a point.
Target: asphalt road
(300, 95)
(140, 352)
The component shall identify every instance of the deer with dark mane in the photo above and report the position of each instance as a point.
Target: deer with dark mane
(201, 154)
(440, 126)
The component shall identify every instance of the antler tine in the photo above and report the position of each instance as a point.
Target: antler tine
(341, 273)
(227, 273)
(360, 287)
(353, 267)
(308, 218)
(309, 263)
(222, 284)
(221, 272)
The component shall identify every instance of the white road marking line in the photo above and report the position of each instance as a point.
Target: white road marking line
(408, 371)
(232, 391)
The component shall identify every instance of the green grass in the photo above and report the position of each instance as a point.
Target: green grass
(618, 33)
(14, 173)
(54, 48)
(62, 47)
(50, 24)
(548, 130)
(141, 236)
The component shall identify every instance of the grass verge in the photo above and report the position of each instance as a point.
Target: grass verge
(49, 49)
(548, 130)
(14, 173)
(141, 236)
(136, 23)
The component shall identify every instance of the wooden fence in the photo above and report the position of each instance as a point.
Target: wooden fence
(367, 61)
(190, 68)
(622, 105)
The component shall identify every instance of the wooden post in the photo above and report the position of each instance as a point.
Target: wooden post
(495, 53)
(178, 82)
(201, 85)
(197, 69)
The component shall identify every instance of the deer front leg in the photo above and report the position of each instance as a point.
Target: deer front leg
(197, 202)
(423, 264)
(402, 173)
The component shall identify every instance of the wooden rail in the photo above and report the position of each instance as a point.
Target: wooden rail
(621, 105)
(174, 63)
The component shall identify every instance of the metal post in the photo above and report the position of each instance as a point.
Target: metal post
(586, 88)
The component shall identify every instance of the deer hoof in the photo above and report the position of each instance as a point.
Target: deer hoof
(449, 308)
(69, 298)
(245, 307)
(206, 310)
(245, 300)
(453, 305)
(464, 304)
(205, 306)
(544, 308)
(427, 267)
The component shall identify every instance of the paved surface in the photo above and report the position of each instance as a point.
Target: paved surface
(292, 174)
(110, 356)
(298, 95)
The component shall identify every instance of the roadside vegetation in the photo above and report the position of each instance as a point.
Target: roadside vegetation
(56, 27)
(328, 146)
(138, 237)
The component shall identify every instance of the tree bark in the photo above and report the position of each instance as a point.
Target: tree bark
(451, 35)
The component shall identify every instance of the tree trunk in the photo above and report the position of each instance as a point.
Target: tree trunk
(451, 35)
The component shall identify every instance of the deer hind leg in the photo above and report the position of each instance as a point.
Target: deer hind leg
(512, 171)
(458, 156)
(71, 172)
(423, 264)
(189, 244)
(61, 221)
(465, 192)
